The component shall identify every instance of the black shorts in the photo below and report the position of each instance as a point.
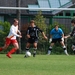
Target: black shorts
(56, 40)
(33, 40)
(73, 44)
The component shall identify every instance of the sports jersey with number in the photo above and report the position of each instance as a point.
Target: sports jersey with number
(33, 31)
(13, 32)
(56, 33)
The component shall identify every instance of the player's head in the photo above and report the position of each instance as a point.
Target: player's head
(56, 27)
(32, 22)
(15, 22)
(73, 21)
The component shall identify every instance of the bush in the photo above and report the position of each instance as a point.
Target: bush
(4, 30)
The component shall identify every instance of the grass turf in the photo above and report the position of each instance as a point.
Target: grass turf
(39, 65)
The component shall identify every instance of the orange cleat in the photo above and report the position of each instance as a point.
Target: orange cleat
(8, 55)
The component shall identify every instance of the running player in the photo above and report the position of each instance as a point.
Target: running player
(57, 35)
(32, 35)
(11, 38)
(72, 34)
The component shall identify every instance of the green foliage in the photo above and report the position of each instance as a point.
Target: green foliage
(40, 22)
(69, 43)
(5, 26)
(4, 29)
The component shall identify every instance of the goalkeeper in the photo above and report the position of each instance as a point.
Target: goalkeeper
(57, 35)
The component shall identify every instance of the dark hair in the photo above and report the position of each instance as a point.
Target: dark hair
(73, 21)
(56, 25)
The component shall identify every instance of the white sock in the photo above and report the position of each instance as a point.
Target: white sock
(66, 52)
(49, 52)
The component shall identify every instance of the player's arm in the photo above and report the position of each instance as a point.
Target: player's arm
(71, 34)
(62, 34)
(19, 32)
(67, 36)
(62, 37)
(27, 33)
(50, 39)
(14, 33)
(42, 33)
(51, 33)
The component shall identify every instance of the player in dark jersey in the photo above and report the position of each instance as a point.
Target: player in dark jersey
(32, 35)
(72, 34)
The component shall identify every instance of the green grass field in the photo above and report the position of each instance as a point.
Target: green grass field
(39, 65)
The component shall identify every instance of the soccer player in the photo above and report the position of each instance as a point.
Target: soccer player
(57, 35)
(32, 35)
(72, 34)
(11, 38)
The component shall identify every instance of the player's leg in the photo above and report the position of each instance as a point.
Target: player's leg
(7, 43)
(73, 48)
(50, 48)
(27, 48)
(35, 48)
(13, 50)
(51, 45)
(64, 47)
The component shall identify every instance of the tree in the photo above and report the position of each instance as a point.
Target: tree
(4, 30)
(18, 12)
(40, 22)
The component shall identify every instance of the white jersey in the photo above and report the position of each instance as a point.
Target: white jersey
(13, 32)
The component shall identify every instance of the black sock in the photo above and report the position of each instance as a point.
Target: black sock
(74, 51)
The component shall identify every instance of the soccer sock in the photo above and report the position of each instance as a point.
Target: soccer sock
(12, 51)
(49, 50)
(64, 47)
(1, 49)
(34, 52)
(65, 51)
(27, 49)
(74, 51)
(73, 48)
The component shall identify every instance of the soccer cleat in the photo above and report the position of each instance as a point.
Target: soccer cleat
(25, 56)
(67, 54)
(8, 55)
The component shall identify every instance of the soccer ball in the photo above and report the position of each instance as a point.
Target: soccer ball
(28, 54)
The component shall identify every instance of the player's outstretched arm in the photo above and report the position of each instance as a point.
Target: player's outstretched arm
(44, 35)
(67, 36)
